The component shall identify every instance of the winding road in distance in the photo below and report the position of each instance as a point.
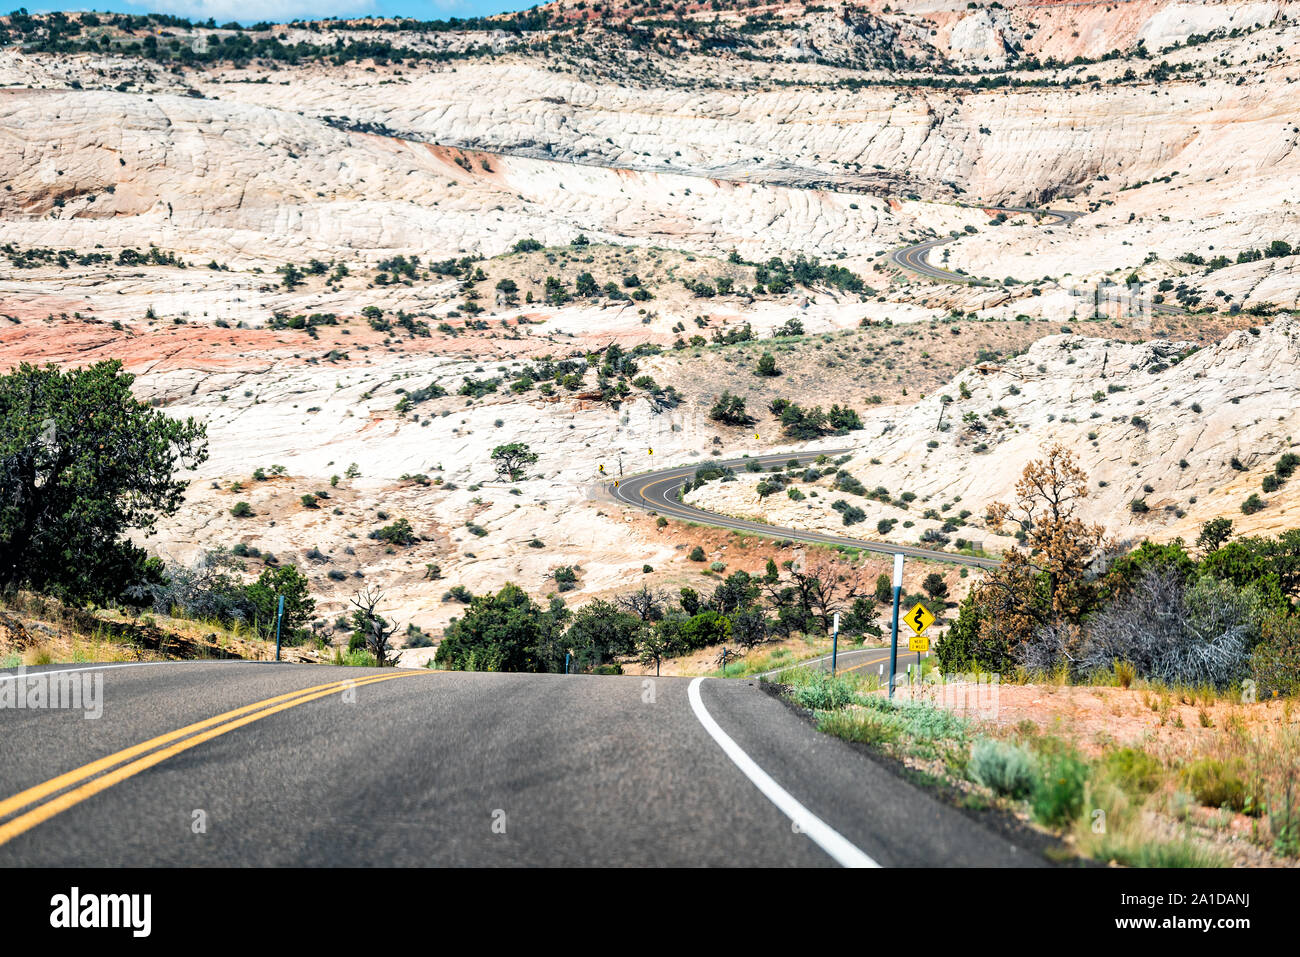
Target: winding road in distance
(916, 258)
(658, 492)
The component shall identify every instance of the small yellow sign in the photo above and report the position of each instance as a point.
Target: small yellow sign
(918, 643)
(919, 619)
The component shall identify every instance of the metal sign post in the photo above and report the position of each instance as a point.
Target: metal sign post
(893, 642)
(918, 619)
(835, 642)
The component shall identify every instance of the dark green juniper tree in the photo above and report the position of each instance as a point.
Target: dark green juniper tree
(82, 462)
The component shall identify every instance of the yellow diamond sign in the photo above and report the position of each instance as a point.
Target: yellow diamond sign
(919, 619)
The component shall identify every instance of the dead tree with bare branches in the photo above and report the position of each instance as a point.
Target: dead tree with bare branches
(375, 630)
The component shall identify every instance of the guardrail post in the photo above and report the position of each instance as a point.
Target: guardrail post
(835, 643)
(279, 615)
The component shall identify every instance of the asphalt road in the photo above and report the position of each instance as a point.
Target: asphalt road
(868, 660)
(916, 258)
(232, 763)
(658, 491)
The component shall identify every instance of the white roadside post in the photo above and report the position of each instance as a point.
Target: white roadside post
(835, 642)
(893, 643)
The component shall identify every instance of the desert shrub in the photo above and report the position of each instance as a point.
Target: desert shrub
(1175, 632)
(1217, 783)
(697, 554)
(356, 658)
(1057, 797)
(1003, 767)
(505, 632)
(824, 692)
(923, 725)
(704, 629)
(458, 593)
(207, 590)
(730, 410)
(865, 727)
(398, 533)
(1133, 770)
(935, 586)
(1183, 853)
(241, 510)
(850, 514)
(1275, 662)
(417, 637)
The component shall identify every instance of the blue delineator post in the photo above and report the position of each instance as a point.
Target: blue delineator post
(893, 641)
(279, 616)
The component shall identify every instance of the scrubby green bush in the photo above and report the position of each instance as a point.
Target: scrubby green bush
(1216, 783)
(1057, 797)
(1275, 662)
(864, 727)
(398, 533)
(824, 692)
(1003, 767)
(1133, 770)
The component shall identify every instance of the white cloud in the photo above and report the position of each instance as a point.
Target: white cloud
(249, 11)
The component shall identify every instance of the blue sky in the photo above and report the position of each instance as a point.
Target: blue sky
(249, 11)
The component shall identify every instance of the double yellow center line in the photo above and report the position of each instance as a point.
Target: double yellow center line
(67, 790)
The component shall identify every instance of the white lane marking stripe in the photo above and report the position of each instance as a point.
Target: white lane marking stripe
(821, 833)
(69, 671)
(129, 664)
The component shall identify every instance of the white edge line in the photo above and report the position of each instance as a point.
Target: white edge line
(6, 676)
(821, 833)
